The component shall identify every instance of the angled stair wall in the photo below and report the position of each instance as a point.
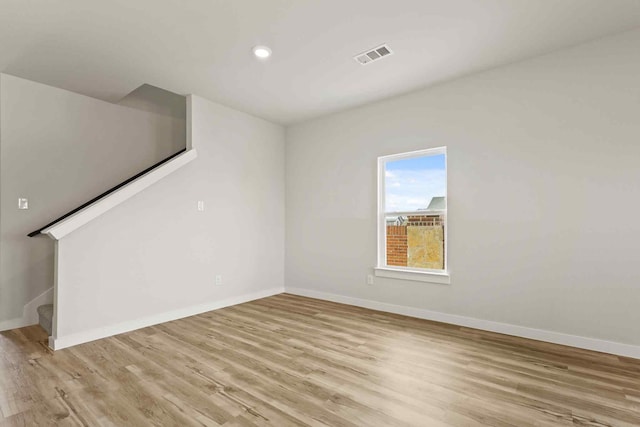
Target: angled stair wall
(154, 256)
(151, 254)
(60, 149)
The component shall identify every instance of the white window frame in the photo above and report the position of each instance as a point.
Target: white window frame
(409, 273)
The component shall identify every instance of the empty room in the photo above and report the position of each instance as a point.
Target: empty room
(320, 213)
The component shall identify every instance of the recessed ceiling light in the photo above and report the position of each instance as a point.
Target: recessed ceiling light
(262, 52)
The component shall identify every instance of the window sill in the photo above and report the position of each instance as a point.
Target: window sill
(419, 276)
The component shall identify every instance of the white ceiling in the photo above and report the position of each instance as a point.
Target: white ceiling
(108, 48)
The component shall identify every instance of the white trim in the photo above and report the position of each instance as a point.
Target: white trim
(409, 154)
(189, 122)
(577, 341)
(56, 289)
(381, 217)
(18, 322)
(91, 212)
(425, 212)
(58, 343)
(416, 275)
(29, 312)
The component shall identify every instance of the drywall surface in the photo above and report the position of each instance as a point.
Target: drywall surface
(60, 149)
(155, 100)
(161, 102)
(156, 253)
(543, 193)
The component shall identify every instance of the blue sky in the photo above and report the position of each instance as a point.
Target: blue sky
(411, 183)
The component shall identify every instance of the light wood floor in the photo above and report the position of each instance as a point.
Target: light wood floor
(288, 360)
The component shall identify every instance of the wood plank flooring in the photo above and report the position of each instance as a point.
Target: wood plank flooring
(293, 361)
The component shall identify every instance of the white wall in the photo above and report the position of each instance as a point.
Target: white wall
(60, 149)
(155, 256)
(544, 194)
(164, 103)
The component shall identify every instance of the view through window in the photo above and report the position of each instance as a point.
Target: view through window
(413, 200)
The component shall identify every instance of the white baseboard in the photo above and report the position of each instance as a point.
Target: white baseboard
(58, 343)
(603, 346)
(18, 322)
(29, 312)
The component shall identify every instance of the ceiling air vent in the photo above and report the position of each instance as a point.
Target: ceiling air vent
(365, 58)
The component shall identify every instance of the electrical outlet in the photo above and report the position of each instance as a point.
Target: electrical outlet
(218, 279)
(23, 203)
(201, 205)
(369, 279)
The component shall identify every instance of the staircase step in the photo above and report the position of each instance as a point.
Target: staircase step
(45, 314)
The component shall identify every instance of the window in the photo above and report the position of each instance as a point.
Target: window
(412, 216)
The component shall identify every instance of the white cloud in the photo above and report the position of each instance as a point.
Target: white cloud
(408, 190)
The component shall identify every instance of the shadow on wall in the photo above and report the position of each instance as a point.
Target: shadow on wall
(35, 259)
(59, 158)
(164, 103)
